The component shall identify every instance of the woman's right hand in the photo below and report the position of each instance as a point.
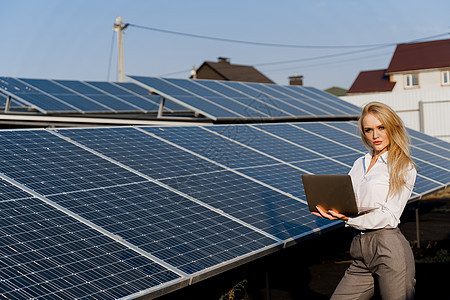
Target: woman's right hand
(330, 214)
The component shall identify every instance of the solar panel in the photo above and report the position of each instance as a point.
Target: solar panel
(46, 253)
(116, 199)
(136, 90)
(333, 101)
(63, 96)
(154, 208)
(34, 97)
(68, 96)
(184, 97)
(225, 99)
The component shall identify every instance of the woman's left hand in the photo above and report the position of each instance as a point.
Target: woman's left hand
(330, 214)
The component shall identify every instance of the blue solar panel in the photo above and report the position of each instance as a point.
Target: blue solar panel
(44, 253)
(257, 138)
(294, 105)
(234, 107)
(83, 96)
(434, 158)
(323, 166)
(335, 134)
(283, 177)
(222, 98)
(177, 203)
(429, 143)
(308, 103)
(146, 160)
(213, 147)
(183, 97)
(48, 165)
(349, 127)
(165, 224)
(257, 205)
(136, 95)
(66, 96)
(250, 106)
(436, 172)
(343, 106)
(316, 143)
(124, 203)
(143, 102)
(141, 151)
(260, 101)
(33, 96)
(110, 102)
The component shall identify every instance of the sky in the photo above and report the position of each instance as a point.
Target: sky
(61, 39)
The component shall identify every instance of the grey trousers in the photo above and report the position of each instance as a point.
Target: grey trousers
(384, 256)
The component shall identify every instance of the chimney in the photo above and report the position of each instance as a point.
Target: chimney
(193, 73)
(296, 79)
(224, 60)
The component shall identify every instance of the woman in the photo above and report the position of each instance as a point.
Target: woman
(383, 178)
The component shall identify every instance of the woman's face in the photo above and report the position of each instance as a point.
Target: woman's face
(375, 133)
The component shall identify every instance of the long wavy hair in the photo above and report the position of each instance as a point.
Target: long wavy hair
(399, 158)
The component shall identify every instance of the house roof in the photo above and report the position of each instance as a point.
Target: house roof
(336, 91)
(232, 72)
(371, 81)
(420, 56)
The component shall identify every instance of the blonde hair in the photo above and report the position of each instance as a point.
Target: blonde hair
(399, 159)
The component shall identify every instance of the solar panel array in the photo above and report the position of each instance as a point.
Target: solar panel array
(213, 99)
(72, 96)
(127, 211)
(230, 99)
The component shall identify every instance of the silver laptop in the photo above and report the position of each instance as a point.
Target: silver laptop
(332, 192)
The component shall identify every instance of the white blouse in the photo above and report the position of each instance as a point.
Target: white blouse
(371, 190)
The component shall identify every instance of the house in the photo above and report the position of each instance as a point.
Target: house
(416, 84)
(224, 70)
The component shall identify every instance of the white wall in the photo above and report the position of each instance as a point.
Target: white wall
(405, 101)
(436, 116)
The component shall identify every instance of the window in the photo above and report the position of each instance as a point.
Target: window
(411, 80)
(445, 77)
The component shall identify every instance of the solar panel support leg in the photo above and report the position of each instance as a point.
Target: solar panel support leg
(417, 225)
(268, 291)
(8, 104)
(161, 107)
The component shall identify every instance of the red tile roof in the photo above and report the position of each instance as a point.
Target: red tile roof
(420, 56)
(371, 81)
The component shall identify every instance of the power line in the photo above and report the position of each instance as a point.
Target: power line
(348, 52)
(256, 43)
(328, 63)
(365, 47)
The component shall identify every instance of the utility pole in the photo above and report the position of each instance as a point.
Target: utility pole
(119, 27)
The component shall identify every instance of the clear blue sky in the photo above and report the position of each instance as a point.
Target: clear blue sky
(62, 39)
